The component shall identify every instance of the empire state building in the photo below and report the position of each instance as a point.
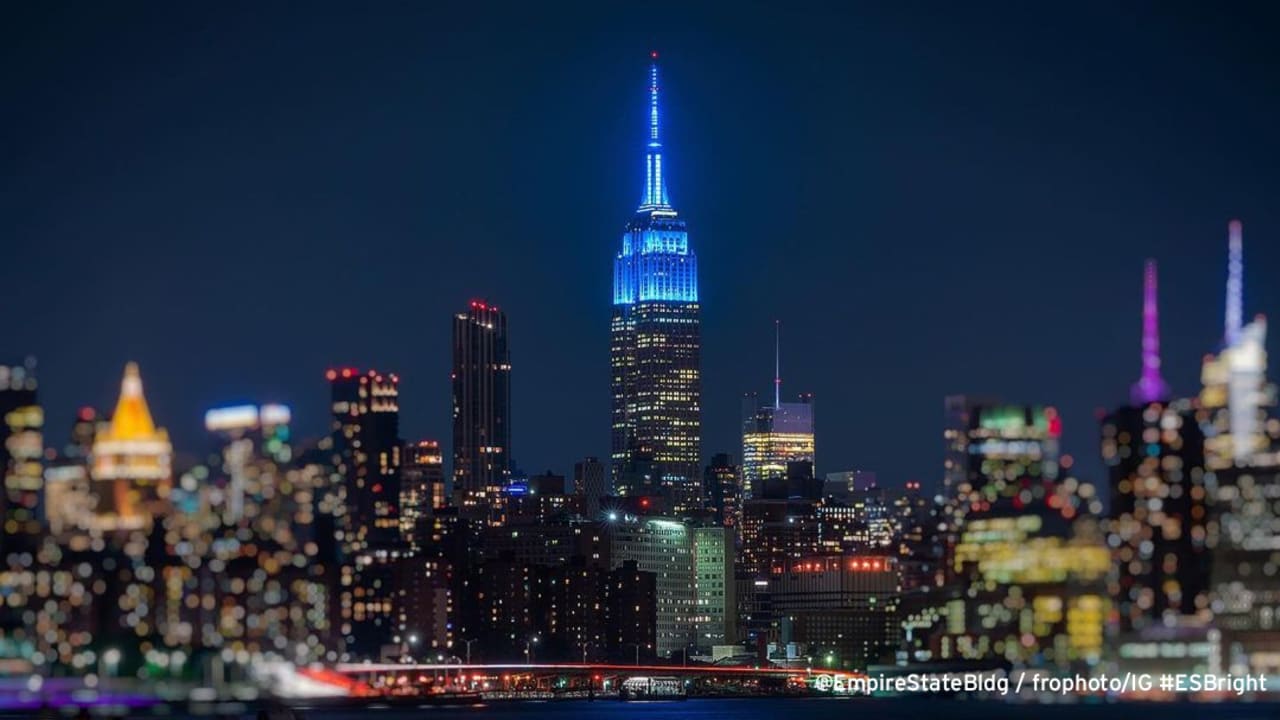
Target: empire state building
(655, 343)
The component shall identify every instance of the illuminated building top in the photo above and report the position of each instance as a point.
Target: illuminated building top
(1151, 387)
(131, 446)
(774, 435)
(131, 460)
(655, 262)
(1235, 388)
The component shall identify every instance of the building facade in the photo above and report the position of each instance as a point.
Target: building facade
(1154, 451)
(481, 410)
(655, 337)
(21, 455)
(131, 461)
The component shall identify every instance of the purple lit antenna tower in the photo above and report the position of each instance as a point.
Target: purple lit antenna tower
(1235, 283)
(1150, 387)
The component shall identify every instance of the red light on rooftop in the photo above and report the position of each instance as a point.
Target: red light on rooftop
(331, 375)
(86, 413)
(653, 54)
(346, 372)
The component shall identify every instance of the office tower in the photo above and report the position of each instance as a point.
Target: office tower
(857, 521)
(256, 548)
(1243, 542)
(253, 448)
(1235, 388)
(366, 447)
(774, 434)
(722, 482)
(590, 484)
(69, 500)
(481, 410)
(777, 528)
(844, 609)
(665, 548)
(422, 487)
(716, 604)
(655, 340)
(131, 461)
(915, 519)
(1154, 452)
(21, 452)
(1032, 583)
(994, 450)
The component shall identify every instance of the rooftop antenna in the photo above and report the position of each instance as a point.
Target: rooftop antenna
(1235, 283)
(777, 364)
(1150, 387)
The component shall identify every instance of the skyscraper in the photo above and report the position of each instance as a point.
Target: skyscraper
(722, 482)
(422, 487)
(655, 336)
(589, 485)
(21, 450)
(774, 435)
(1236, 390)
(131, 460)
(481, 409)
(996, 450)
(366, 446)
(1154, 451)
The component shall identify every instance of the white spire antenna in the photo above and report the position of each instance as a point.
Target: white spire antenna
(1235, 283)
(777, 364)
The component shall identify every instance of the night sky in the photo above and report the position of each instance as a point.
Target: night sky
(935, 198)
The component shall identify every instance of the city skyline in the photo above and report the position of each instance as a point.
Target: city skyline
(1021, 262)
(1079, 347)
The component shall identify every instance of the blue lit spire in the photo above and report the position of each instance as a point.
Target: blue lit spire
(655, 262)
(655, 188)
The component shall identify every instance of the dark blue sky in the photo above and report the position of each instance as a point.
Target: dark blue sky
(934, 198)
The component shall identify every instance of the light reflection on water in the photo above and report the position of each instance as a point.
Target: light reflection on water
(809, 709)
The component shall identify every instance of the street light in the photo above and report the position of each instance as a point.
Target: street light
(528, 649)
(637, 647)
(585, 645)
(468, 642)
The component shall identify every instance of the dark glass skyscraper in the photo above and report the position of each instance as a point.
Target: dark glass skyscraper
(655, 336)
(1155, 456)
(481, 409)
(366, 446)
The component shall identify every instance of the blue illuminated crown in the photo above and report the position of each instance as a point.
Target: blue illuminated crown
(655, 263)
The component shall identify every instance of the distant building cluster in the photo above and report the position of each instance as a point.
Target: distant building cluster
(120, 557)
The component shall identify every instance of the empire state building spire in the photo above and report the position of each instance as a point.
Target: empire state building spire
(655, 188)
(655, 344)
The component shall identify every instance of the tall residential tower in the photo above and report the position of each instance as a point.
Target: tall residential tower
(481, 410)
(655, 337)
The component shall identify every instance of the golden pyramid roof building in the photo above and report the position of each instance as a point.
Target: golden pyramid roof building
(131, 456)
